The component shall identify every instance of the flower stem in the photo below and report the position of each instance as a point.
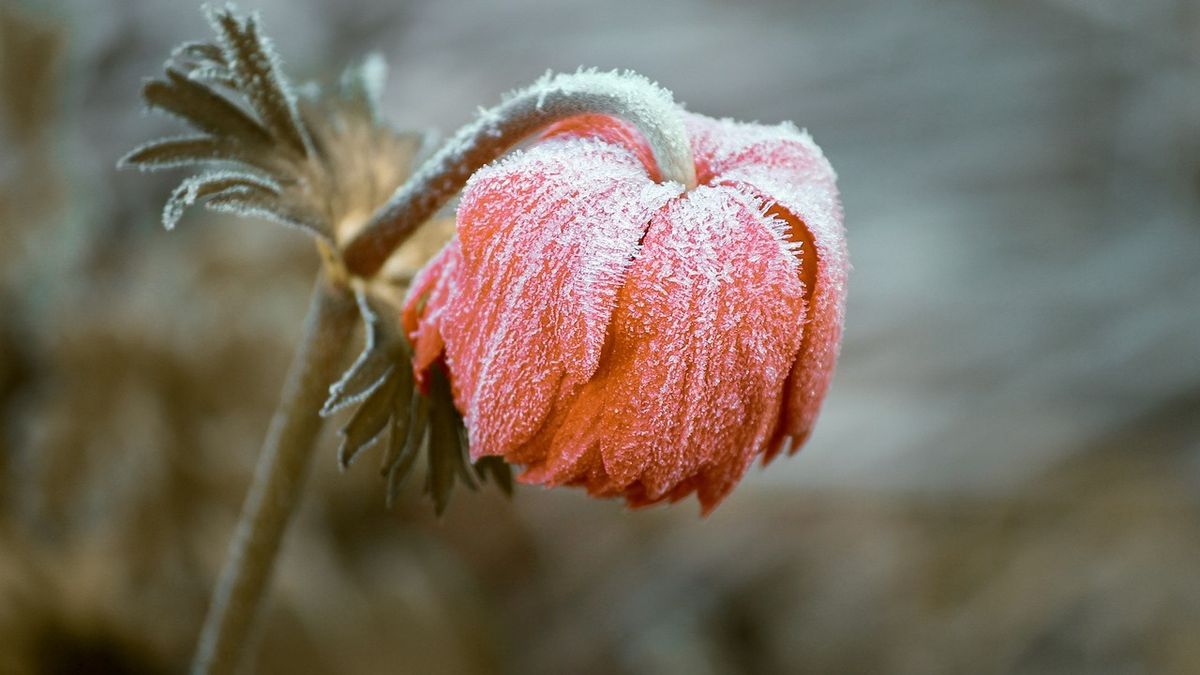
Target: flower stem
(631, 97)
(278, 480)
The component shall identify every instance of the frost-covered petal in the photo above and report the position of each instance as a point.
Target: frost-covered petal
(689, 388)
(426, 303)
(547, 237)
(720, 146)
(815, 217)
(648, 369)
(782, 165)
(611, 130)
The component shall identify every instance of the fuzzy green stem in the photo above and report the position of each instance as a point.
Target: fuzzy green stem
(278, 480)
(647, 106)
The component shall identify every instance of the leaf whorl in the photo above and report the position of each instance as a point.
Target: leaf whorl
(326, 147)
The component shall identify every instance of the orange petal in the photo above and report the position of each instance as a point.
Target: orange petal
(425, 306)
(782, 165)
(610, 129)
(547, 237)
(701, 343)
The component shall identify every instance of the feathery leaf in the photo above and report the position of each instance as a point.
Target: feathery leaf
(368, 422)
(327, 148)
(255, 69)
(198, 53)
(372, 366)
(205, 109)
(402, 403)
(206, 185)
(178, 151)
(252, 202)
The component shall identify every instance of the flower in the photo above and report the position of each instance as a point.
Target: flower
(606, 330)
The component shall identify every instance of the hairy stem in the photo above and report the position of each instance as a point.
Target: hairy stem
(633, 98)
(278, 480)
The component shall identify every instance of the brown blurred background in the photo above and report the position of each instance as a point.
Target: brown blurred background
(1005, 478)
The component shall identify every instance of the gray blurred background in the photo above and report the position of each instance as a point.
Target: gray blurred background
(1005, 478)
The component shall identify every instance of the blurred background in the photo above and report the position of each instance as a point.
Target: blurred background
(1005, 478)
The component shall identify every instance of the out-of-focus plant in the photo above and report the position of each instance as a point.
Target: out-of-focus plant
(732, 212)
(31, 188)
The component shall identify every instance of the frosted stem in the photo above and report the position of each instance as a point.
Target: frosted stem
(278, 480)
(630, 97)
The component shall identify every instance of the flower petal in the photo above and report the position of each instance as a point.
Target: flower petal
(787, 153)
(610, 129)
(425, 306)
(547, 237)
(701, 343)
(782, 164)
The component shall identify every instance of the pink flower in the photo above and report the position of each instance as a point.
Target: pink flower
(608, 331)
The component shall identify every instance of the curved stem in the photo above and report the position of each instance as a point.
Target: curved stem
(631, 97)
(278, 480)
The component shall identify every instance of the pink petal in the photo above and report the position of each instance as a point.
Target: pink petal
(689, 388)
(785, 152)
(610, 129)
(547, 237)
(782, 165)
(425, 306)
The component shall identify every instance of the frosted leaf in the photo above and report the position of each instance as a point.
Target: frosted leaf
(255, 68)
(369, 421)
(179, 151)
(383, 345)
(382, 389)
(329, 153)
(203, 108)
(198, 53)
(247, 202)
(207, 185)
(447, 441)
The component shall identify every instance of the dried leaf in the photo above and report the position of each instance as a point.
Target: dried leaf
(208, 111)
(174, 152)
(368, 422)
(198, 53)
(414, 440)
(447, 444)
(255, 69)
(372, 365)
(205, 185)
(245, 201)
(402, 402)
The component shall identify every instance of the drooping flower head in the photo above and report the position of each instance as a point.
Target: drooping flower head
(607, 330)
